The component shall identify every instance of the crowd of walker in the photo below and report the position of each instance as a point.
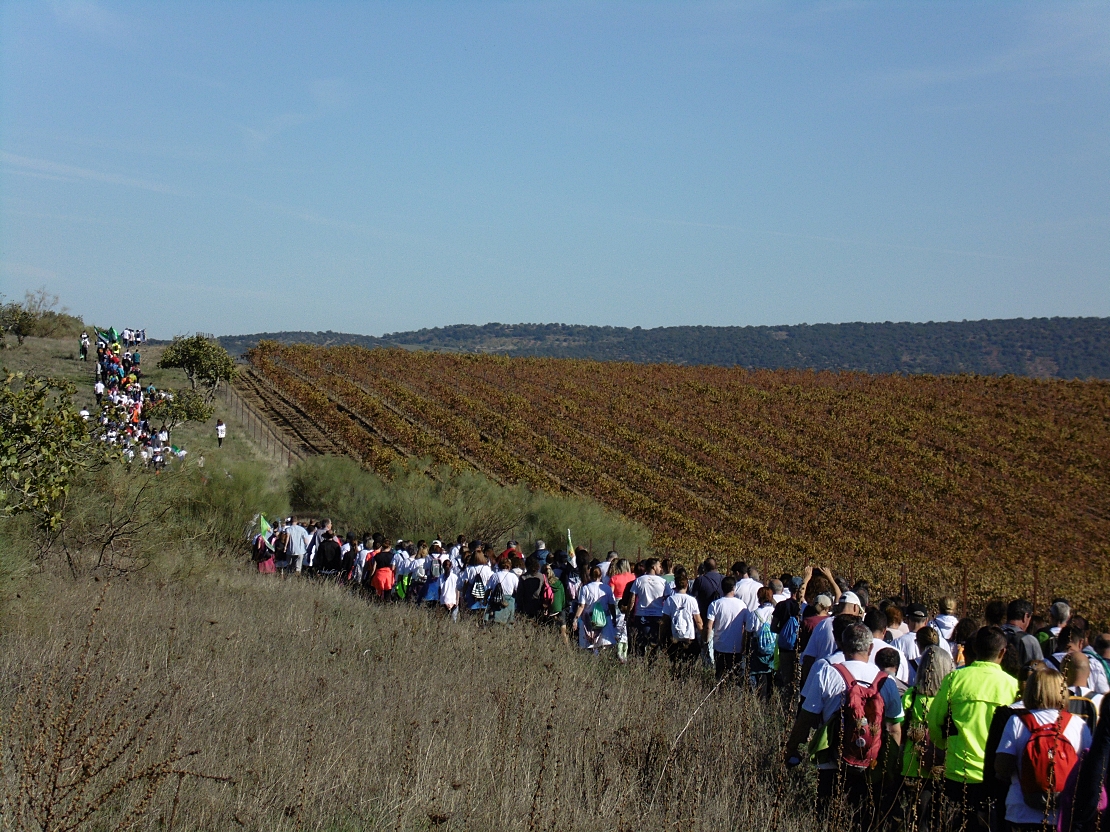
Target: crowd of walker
(915, 718)
(124, 402)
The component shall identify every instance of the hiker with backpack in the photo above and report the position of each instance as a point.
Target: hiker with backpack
(501, 591)
(761, 642)
(786, 623)
(595, 618)
(474, 577)
(960, 720)
(858, 705)
(1039, 748)
(682, 622)
(1082, 699)
(1024, 646)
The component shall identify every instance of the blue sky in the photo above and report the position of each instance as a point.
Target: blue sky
(247, 166)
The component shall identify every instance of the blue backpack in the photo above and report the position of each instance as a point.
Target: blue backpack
(788, 635)
(765, 641)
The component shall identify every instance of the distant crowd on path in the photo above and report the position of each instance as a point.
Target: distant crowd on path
(914, 718)
(123, 401)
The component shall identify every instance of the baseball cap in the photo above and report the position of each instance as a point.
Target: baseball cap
(917, 611)
(850, 598)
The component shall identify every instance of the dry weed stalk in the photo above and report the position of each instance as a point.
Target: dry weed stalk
(79, 745)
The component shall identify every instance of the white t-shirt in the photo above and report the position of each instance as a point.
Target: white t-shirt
(448, 589)
(907, 646)
(747, 591)
(650, 592)
(478, 573)
(824, 692)
(782, 596)
(903, 672)
(1015, 736)
(589, 595)
(508, 580)
(681, 608)
(727, 615)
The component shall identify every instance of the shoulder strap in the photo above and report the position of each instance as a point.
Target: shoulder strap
(844, 674)
(1028, 720)
(880, 677)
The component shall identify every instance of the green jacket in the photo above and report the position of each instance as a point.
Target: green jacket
(970, 695)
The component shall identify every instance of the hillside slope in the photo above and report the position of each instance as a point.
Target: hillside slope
(1008, 477)
(1039, 347)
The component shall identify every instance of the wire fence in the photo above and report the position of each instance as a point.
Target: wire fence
(259, 428)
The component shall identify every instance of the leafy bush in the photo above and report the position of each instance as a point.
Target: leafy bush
(421, 500)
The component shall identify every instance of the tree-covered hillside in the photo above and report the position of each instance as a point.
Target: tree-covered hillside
(1043, 347)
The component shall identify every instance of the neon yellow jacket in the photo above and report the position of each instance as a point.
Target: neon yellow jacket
(971, 695)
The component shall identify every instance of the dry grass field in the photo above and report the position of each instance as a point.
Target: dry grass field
(240, 702)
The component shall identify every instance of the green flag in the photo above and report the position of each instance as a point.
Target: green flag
(265, 531)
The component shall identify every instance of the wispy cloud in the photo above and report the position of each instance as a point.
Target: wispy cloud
(54, 170)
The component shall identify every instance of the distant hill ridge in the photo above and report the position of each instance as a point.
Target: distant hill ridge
(1039, 347)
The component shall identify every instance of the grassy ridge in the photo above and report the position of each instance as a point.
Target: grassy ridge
(1005, 477)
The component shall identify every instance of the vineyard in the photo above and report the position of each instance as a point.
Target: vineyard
(999, 484)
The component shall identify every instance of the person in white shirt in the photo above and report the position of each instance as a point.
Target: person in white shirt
(1044, 701)
(1072, 640)
(761, 661)
(877, 622)
(821, 643)
(297, 543)
(1077, 673)
(747, 588)
(448, 584)
(649, 591)
(477, 572)
(725, 626)
(823, 704)
(221, 433)
(682, 619)
(501, 605)
(595, 614)
(778, 592)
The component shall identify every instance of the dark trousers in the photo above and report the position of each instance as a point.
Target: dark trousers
(645, 633)
(726, 663)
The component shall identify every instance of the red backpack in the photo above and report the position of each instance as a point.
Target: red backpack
(1046, 762)
(857, 735)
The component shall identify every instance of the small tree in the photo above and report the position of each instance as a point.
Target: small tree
(44, 446)
(205, 362)
(184, 406)
(18, 319)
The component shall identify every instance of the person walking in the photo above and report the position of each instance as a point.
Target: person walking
(960, 720)
(221, 433)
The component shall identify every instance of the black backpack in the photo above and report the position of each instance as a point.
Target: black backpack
(496, 599)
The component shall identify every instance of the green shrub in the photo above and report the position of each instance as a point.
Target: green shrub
(421, 501)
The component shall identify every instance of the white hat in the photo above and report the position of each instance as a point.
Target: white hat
(850, 598)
